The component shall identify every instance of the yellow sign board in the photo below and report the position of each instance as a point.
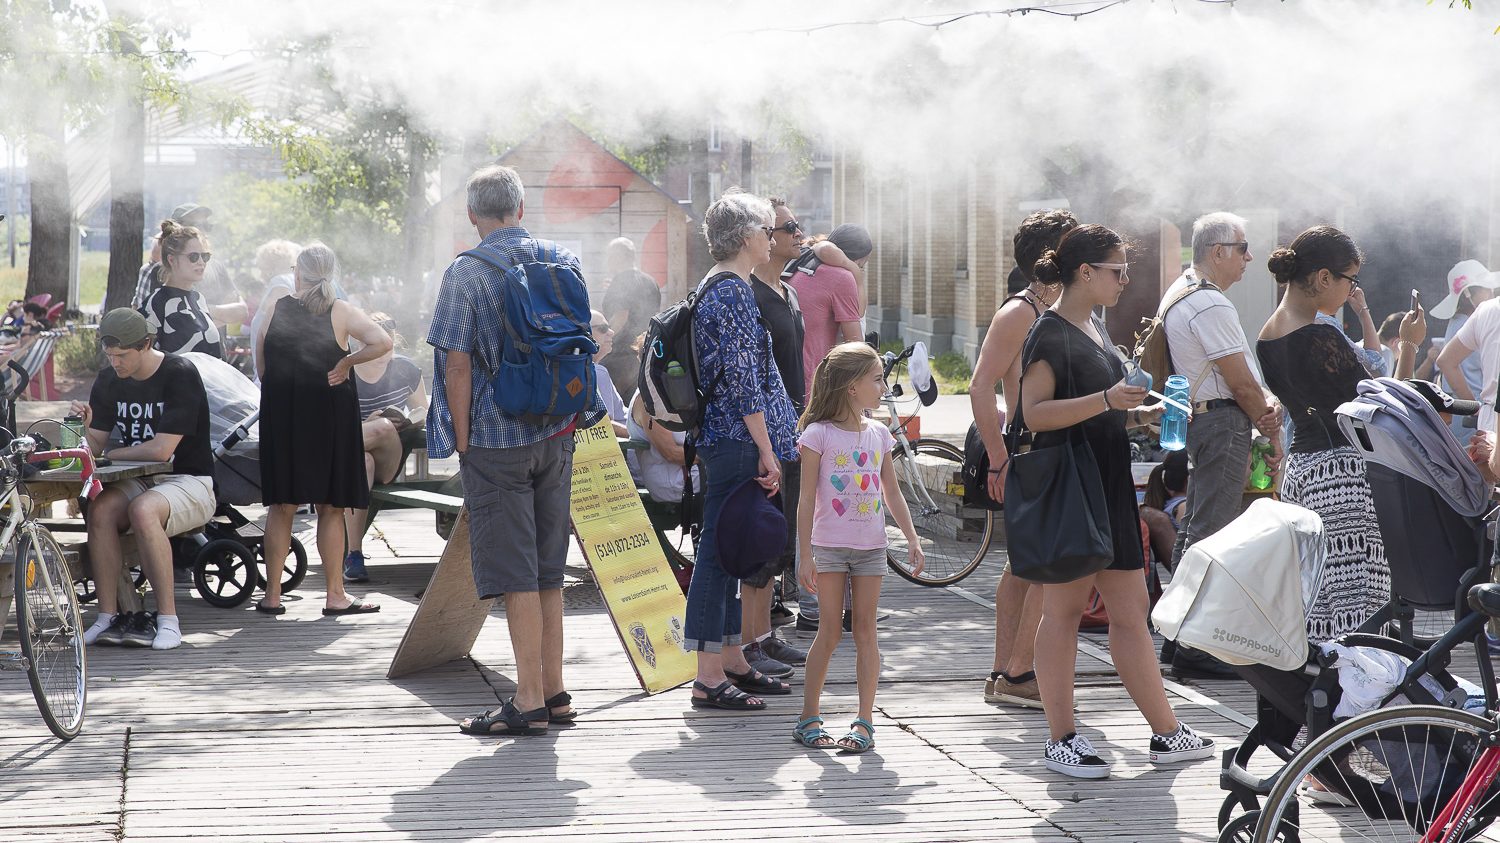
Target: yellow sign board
(617, 538)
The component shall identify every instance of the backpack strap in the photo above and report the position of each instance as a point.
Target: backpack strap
(1166, 338)
(501, 262)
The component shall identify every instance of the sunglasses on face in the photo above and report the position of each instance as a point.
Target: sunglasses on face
(195, 257)
(791, 227)
(1122, 270)
(770, 232)
(1241, 246)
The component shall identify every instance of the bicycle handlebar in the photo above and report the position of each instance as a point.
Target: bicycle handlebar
(892, 360)
(25, 446)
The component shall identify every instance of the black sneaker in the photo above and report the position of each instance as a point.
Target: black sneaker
(142, 630)
(1183, 745)
(1075, 756)
(114, 635)
(806, 627)
(781, 615)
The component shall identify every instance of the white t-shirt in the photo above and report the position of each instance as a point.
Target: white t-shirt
(1202, 328)
(1482, 333)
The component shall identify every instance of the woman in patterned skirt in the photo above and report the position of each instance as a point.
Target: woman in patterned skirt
(1312, 370)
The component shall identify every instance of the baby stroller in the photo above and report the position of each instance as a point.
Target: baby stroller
(1429, 501)
(227, 557)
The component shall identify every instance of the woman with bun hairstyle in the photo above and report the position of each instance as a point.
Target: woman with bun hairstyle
(181, 317)
(1072, 381)
(1310, 366)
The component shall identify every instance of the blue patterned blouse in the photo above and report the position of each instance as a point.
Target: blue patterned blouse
(736, 367)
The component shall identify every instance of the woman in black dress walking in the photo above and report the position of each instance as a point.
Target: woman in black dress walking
(311, 450)
(1072, 380)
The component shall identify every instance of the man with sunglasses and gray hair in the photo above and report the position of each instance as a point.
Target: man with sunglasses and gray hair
(1207, 345)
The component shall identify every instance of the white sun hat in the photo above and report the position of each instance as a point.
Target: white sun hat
(1463, 275)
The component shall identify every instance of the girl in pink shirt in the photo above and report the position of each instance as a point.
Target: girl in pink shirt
(847, 484)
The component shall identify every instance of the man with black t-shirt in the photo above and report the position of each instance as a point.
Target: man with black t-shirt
(150, 407)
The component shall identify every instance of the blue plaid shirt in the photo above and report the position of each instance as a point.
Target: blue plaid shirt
(735, 364)
(470, 317)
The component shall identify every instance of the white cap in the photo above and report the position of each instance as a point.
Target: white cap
(1463, 275)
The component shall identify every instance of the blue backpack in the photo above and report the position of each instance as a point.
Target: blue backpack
(546, 354)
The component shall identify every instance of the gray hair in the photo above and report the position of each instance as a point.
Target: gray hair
(495, 192)
(317, 266)
(622, 248)
(275, 257)
(735, 216)
(1212, 229)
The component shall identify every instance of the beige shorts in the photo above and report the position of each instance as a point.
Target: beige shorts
(845, 560)
(190, 498)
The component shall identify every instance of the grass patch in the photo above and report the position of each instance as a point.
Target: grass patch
(953, 372)
(93, 277)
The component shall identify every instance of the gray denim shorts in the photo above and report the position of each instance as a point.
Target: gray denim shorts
(844, 560)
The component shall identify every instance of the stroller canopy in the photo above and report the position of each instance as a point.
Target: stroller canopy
(232, 398)
(1242, 594)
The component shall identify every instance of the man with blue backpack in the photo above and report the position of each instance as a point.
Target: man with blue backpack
(513, 377)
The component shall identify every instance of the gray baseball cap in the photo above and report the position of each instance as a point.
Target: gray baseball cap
(124, 326)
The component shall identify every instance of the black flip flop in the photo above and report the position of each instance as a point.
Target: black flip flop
(726, 696)
(270, 610)
(516, 721)
(358, 607)
(758, 683)
(558, 701)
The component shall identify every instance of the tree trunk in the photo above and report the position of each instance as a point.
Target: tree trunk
(127, 179)
(51, 205)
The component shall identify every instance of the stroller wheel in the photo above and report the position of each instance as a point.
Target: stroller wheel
(225, 574)
(1241, 829)
(86, 590)
(295, 570)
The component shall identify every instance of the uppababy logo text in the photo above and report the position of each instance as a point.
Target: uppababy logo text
(1243, 641)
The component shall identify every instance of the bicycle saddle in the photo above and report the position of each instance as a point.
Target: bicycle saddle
(1485, 598)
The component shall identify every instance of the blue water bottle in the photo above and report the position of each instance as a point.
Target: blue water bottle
(1174, 420)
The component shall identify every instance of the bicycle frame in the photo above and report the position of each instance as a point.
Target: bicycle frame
(927, 504)
(1452, 821)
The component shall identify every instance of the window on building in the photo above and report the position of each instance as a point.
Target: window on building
(961, 237)
(715, 186)
(714, 144)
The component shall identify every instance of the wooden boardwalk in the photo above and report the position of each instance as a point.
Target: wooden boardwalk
(285, 729)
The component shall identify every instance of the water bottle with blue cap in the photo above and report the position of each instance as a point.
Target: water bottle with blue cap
(1174, 419)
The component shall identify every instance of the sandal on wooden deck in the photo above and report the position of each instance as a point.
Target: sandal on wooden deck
(856, 741)
(560, 700)
(725, 696)
(809, 735)
(758, 683)
(515, 721)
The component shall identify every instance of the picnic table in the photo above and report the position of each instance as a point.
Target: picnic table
(63, 484)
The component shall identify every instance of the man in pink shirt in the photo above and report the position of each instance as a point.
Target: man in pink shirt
(829, 295)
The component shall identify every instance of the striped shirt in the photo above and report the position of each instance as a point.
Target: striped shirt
(401, 379)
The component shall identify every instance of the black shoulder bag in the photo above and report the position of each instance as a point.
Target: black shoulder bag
(976, 467)
(1056, 521)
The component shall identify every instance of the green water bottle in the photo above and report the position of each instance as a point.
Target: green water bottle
(1260, 473)
(71, 437)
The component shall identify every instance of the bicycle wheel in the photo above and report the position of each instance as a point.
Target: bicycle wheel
(1398, 766)
(51, 632)
(954, 539)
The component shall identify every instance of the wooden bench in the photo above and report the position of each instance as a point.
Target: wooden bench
(443, 497)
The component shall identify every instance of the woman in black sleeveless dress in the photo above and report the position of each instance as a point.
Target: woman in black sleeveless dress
(1072, 380)
(311, 450)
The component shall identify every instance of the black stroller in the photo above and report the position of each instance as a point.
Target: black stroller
(227, 557)
(1430, 502)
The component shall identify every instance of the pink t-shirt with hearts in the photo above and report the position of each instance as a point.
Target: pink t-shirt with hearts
(850, 512)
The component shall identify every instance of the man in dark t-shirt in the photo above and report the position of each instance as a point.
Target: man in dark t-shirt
(146, 406)
(630, 300)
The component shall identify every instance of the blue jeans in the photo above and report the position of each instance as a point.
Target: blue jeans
(713, 600)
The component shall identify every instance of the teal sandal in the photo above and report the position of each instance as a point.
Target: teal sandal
(856, 741)
(808, 735)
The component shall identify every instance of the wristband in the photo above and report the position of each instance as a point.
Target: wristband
(1107, 405)
(997, 471)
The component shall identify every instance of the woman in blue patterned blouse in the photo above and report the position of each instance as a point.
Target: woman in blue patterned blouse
(748, 427)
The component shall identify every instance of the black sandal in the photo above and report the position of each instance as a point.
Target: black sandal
(558, 701)
(726, 696)
(516, 721)
(758, 683)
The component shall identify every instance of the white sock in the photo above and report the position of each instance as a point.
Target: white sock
(101, 623)
(168, 633)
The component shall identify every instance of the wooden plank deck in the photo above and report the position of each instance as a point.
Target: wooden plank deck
(263, 728)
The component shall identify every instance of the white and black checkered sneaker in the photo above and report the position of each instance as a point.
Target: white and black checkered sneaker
(1075, 756)
(1182, 745)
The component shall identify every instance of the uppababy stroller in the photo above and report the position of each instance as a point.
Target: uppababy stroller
(1429, 501)
(228, 558)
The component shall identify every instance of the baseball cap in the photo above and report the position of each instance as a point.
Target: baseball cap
(1463, 275)
(853, 240)
(1442, 401)
(199, 213)
(125, 325)
(920, 370)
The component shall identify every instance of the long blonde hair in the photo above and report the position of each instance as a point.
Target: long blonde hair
(844, 365)
(317, 265)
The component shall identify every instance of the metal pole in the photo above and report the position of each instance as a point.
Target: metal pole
(10, 202)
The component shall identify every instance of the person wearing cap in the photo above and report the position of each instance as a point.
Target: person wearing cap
(151, 407)
(829, 294)
(748, 430)
(1018, 604)
(1472, 328)
(1208, 346)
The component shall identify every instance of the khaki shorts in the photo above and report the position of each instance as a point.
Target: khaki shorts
(856, 563)
(189, 497)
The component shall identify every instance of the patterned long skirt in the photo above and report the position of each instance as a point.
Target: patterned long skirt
(1356, 579)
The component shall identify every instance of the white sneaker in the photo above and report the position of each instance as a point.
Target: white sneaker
(1183, 745)
(101, 623)
(1075, 756)
(167, 638)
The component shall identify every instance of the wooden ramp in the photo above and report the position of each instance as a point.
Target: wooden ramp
(286, 729)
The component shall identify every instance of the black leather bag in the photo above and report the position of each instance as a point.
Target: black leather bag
(976, 473)
(1056, 520)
